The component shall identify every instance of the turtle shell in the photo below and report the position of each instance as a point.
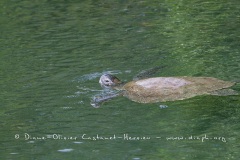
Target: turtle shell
(162, 89)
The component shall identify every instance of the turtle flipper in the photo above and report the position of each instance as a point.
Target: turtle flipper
(98, 100)
(147, 73)
(224, 92)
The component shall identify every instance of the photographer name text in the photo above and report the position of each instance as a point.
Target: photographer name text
(125, 137)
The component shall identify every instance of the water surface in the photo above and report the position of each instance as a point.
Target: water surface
(53, 53)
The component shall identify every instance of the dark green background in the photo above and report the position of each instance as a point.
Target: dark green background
(53, 52)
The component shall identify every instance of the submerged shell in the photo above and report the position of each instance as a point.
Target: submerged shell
(162, 89)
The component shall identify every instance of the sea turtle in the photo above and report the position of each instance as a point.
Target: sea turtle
(162, 89)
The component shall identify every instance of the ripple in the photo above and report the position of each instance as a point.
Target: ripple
(91, 76)
(87, 77)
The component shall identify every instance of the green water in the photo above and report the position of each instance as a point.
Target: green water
(53, 53)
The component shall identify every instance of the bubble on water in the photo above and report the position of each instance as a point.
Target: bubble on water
(163, 106)
(78, 142)
(65, 150)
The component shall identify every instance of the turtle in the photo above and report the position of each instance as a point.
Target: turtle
(163, 89)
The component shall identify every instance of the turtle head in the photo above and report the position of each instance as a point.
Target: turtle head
(109, 81)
